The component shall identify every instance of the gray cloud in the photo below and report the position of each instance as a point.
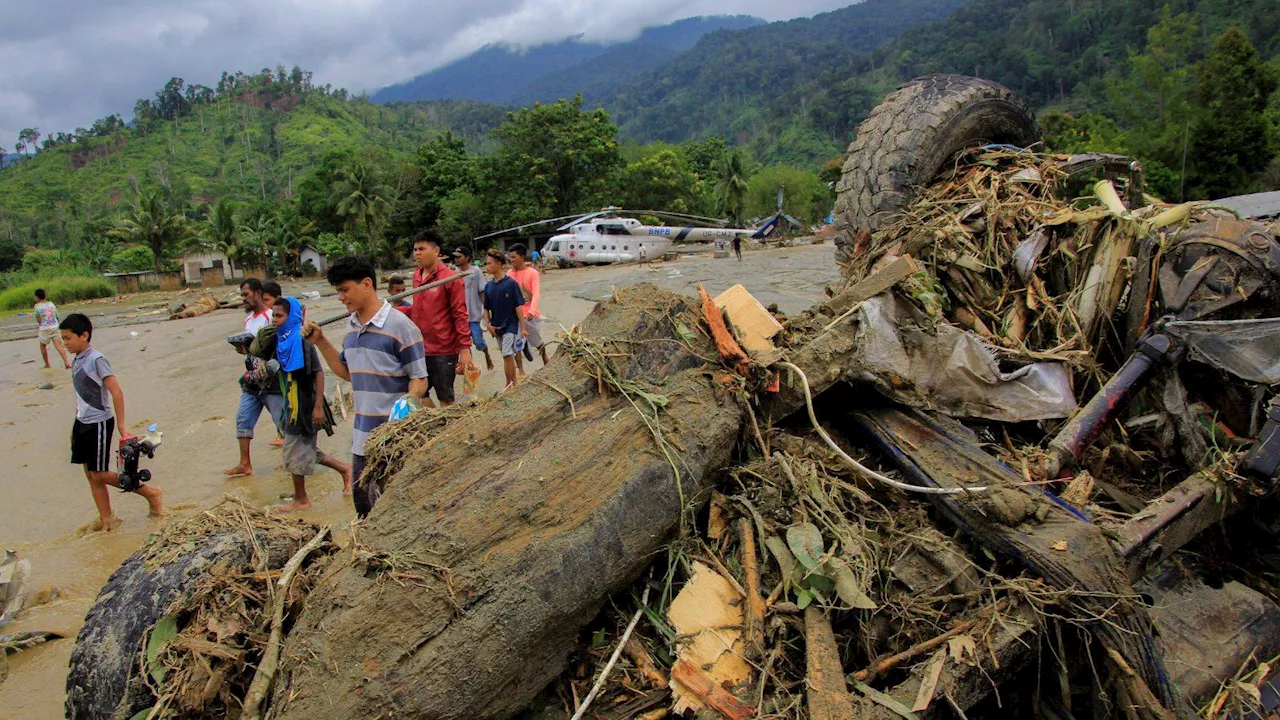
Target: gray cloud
(69, 62)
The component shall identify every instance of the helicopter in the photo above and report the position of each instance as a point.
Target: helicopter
(605, 236)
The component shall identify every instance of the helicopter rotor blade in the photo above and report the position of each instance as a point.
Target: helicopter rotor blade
(518, 228)
(721, 222)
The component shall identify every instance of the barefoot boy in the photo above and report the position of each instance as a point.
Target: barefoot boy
(99, 407)
(47, 317)
(303, 415)
(504, 311)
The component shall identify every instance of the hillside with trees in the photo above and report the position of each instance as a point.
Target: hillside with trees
(260, 164)
(253, 139)
(260, 167)
(1161, 80)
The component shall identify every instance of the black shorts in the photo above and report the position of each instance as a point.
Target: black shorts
(441, 372)
(91, 444)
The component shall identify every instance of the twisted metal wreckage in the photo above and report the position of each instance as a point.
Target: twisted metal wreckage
(974, 482)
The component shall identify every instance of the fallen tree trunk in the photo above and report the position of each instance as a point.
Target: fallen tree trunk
(505, 533)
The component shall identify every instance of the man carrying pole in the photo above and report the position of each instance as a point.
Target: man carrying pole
(441, 315)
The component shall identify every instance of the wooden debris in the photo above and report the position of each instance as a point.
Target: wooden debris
(1079, 491)
(707, 611)
(877, 282)
(828, 696)
(730, 351)
(751, 568)
(755, 327)
(710, 694)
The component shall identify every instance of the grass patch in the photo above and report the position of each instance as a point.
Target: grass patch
(21, 277)
(60, 290)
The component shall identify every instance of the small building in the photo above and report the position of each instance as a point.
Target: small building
(133, 282)
(310, 255)
(197, 260)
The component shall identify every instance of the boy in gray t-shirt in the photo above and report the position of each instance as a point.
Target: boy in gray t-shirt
(99, 405)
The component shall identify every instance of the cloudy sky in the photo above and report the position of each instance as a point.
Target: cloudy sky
(68, 62)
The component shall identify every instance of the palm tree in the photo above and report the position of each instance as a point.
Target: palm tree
(731, 185)
(153, 224)
(221, 233)
(361, 199)
(291, 236)
(257, 238)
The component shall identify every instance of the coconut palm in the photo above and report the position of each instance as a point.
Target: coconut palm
(257, 238)
(221, 233)
(362, 199)
(153, 224)
(731, 185)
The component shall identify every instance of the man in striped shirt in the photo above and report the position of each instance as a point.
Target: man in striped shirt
(381, 356)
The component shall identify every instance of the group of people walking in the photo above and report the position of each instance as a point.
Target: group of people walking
(412, 349)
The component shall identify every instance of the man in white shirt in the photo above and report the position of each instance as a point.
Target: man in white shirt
(252, 399)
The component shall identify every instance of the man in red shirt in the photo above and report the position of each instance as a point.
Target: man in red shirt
(441, 314)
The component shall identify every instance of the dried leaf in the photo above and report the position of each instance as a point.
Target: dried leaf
(1255, 695)
(786, 561)
(960, 646)
(886, 700)
(223, 629)
(847, 585)
(805, 541)
(930, 684)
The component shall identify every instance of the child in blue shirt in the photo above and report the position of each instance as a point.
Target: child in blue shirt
(504, 311)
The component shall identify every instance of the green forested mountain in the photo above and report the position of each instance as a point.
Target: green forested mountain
(254, 138)
(767, 87)
(795, 91)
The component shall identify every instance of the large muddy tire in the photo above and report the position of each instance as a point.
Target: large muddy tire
(105, 680)
(911, 136)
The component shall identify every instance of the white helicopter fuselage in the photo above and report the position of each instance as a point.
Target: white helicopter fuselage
(618, 240)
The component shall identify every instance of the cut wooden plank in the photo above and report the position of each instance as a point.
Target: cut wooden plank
(755, 326)
(708, 612)
(726, 345)
(876, 283)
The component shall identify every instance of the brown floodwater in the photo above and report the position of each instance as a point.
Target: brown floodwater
(182, 375)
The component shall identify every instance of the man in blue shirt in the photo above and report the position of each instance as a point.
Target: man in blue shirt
(504, 311)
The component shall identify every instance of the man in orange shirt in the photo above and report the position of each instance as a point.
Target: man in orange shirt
(530, 283)
(441, 314)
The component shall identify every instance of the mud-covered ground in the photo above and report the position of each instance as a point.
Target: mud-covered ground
(182, 375)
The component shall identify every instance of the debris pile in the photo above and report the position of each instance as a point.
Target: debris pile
(217, 627)
(811, 588)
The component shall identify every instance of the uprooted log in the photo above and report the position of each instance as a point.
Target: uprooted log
(507, 529)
